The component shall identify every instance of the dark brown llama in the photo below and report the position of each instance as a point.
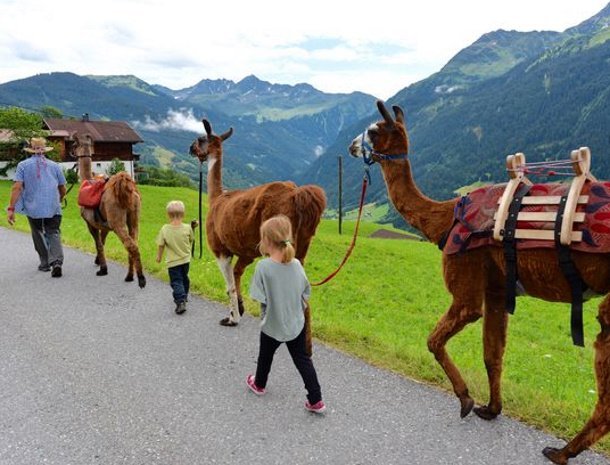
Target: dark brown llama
(476, 280)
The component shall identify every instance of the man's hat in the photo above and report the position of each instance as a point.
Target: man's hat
(38, 145)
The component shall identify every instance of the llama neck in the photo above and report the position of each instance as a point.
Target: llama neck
(84, 168)
(214, 177)
(429, 216)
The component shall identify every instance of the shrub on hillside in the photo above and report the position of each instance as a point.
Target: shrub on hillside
(162, 177)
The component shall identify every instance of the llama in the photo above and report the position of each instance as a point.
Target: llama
(476, 280)
(119, 211)
(234, 217)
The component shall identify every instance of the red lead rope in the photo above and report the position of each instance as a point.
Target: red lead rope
(353, 244)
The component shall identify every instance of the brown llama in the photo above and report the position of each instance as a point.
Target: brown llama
(476, 279)
(234, 217)
(119, 211)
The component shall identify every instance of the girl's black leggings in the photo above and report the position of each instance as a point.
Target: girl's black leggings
(301, 360)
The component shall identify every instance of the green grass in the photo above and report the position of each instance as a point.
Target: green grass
(371, 212)
(383, 305)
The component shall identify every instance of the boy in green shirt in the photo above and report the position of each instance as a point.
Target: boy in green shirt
(177, 237)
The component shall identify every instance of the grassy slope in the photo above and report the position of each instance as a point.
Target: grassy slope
(383, 305)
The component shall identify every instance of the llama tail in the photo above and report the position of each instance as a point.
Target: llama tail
(123, 187)
(309, 203)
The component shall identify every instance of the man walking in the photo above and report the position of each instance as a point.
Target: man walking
(37, 192)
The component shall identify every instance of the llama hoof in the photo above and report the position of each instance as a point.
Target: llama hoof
(467, 405)
(97, 261)
(129, 278)
(227, 322)
(554, 455)
(240, 306)
(485, 413)
(141, 282)
(102, 272)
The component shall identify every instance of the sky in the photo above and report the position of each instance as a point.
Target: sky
(339, 47)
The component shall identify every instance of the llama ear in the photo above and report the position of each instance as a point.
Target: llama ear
(207, 126)
(384, 112)
(227, 134)
(400, 116)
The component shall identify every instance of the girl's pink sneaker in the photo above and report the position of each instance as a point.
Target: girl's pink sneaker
(318, 407)
(253, 387)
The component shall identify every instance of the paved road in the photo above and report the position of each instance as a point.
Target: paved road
(94, 370)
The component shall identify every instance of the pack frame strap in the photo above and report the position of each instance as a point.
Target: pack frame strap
(570, 272)
(510, 247)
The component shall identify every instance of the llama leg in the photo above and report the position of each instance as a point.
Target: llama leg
(451, 323)
(302, 246)
(224, 263)
(238, 271)
(495, 324)
(599, 423)
(135, 262)
(132, 249)
(100, 258)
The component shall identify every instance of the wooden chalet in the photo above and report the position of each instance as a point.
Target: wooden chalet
(111, 139)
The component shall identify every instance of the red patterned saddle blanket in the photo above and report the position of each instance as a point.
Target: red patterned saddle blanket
(474, 218)
(90, 193)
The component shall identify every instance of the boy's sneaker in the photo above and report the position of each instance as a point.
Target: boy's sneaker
(180, 308)
(318, 407)
(253, 387)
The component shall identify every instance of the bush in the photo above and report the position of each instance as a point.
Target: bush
(71, 176)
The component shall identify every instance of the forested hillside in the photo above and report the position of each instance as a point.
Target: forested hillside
(540, 93)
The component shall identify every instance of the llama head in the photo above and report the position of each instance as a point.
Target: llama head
(209, 145)
(82, 145)
(387, 136)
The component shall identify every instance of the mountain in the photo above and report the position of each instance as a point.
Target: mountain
(279, 129)
(541, 93)
(278, 103)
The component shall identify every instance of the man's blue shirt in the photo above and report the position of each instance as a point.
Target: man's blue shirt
(40, 196)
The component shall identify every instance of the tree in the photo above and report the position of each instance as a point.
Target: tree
(51, 112)
(116, 166)
(22, 124)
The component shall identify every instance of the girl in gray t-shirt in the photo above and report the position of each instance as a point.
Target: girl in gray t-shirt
(281, 286)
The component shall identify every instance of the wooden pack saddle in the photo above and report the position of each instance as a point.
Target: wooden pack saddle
(505, 215)
(556, 224)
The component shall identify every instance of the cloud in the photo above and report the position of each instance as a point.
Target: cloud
(331, 46)
(176, 120)
(28, 52)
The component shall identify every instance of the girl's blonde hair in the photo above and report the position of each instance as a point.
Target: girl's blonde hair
(276, 233)
(175, 209)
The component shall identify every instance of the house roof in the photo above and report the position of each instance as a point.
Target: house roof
(100, 131)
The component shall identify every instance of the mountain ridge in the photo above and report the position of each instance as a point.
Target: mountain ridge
(273, 139)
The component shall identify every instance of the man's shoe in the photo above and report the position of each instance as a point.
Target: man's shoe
(253, 387)
(56, 272)
(44, 268)
(180, 308)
